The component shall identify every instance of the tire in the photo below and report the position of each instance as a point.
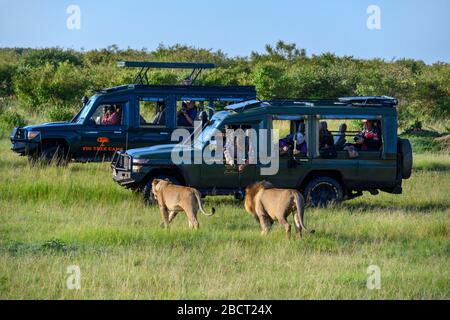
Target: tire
(147, 194)
(51, 154)
(405, 149)
(323, 191)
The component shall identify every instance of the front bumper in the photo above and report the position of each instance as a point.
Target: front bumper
(20, 143)
(122, 173)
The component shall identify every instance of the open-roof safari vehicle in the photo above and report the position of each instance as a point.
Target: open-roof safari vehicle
(323, 175)
(124, 117)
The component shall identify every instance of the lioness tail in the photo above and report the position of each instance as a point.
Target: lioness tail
(198, 197)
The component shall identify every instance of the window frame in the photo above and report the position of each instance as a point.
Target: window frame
(139, 99)
(324, 117)
(294, 117)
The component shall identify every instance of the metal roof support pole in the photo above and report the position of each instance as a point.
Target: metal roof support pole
(171, 111)
(211, 108)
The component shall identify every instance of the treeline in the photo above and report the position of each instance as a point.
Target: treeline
(51, 81)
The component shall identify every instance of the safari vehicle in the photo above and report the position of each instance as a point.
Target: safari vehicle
(322, 177)
(124, 117)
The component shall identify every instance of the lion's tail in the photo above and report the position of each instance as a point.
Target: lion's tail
(300, 204)
(198, 197)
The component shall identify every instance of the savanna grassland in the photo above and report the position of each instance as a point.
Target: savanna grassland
(51, 218)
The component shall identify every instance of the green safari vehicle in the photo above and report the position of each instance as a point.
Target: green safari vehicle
(325, 160)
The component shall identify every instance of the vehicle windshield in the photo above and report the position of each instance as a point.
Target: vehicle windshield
(209, 130)
(79, 118)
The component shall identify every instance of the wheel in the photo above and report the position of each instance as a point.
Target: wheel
(239, 195)
(50, 154)
(323, 191)
(405, 149)
(147, 194)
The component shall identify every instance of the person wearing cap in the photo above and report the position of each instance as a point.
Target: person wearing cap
(301, 147)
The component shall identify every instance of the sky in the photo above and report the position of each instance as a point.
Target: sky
(417, 29)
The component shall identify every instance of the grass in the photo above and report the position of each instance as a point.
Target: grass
(51, 218)
(428, 141)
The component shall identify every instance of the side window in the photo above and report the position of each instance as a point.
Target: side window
(152, 113)
(110, 114)
(240, 147)
(347, 134)
(293, 135)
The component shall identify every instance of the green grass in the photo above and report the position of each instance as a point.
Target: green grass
(51, 218)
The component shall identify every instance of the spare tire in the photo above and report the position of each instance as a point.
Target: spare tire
(406, 154)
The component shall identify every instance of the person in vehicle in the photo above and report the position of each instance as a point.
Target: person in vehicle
(187, 114)
(106, 114)
(160, 117)
(325, 136)
(300, 145)
(369, 139)
(112, 116)
(326, 142)
(239, 145)
(296, 142)
(340, 139)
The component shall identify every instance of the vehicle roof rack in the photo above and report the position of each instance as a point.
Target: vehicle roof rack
(240, 106)
(145, 66)
(343, 101)
(370, 100)
(360, 101)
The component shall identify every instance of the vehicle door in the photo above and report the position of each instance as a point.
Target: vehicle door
(149, 122)
(290, 138)
(236, 170)
(104, 130)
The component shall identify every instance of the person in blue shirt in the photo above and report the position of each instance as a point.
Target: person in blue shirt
(187, 114)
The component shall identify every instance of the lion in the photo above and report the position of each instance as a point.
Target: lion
(268, 204)
(172, 199)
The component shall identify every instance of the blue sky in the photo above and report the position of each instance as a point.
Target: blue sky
(416, 29)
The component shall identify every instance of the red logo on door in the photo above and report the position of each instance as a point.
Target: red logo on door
(102, 140)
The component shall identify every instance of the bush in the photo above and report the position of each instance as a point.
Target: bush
(9, 118)
(60, 113)
(47, 77)
(47, 85)
(39, 57)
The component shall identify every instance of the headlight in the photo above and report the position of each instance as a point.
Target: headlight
(138, 164)
(32, 134)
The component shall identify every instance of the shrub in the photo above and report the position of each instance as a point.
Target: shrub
(42, 86)
(9, 118)
(60, 113)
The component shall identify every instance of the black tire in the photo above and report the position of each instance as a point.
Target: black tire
(147, 194)
(323, 191)
(50, 154)
(239, 195)
(406, 154)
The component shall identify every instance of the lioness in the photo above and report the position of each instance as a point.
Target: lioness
(267, 204)
(172, 199)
